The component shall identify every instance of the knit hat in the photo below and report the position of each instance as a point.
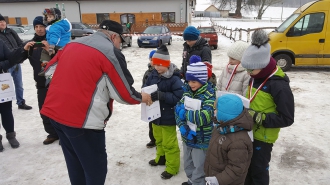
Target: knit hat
(196, 70)
(190, 33)
(237, 49)
(257, 55)
(161, 57)
(2, 18)
(38, 21)
(229, 106)
(152, 52)
(53, 11)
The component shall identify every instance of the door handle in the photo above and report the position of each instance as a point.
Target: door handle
(321, 40)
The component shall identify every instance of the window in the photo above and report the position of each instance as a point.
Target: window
(18, 20)
(168, 17)
(101, 17)
(311, 23)
(126, 18)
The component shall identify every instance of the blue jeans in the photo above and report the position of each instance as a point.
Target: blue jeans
(84, 153)
(16, 73)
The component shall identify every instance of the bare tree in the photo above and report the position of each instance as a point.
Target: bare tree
(220, 4)
(238, 8)
(262, 5)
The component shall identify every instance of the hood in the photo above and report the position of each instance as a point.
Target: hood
(170, 72)
(65, 23)
(244, 120)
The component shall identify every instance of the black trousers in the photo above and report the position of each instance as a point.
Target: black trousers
(151, 134)
(7, 118)
(258, 173)
(45, 120)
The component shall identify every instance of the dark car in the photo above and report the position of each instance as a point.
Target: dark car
(154, 36)
(80, 29)
(209, 34)
(127, 36)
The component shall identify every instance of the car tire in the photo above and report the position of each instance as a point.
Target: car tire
(72, 38)
(130, 42)
(284, 61)
(215, 46)
(139, 46)
(170, 41)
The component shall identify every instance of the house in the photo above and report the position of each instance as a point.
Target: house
(211, 11)
(176, 14)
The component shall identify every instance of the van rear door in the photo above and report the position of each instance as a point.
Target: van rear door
(305, 38)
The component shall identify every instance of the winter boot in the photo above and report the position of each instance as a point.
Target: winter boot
(161, 161)
(151, 144)
(12, 139)
(1, 146)
(166, 175)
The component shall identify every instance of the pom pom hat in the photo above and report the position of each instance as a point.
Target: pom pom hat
(237, 49)
(161, 57)
(196, 70)
(257, 55)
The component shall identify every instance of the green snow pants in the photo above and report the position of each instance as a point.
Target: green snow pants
(167, 144)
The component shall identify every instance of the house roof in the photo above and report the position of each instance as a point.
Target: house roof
(212, 6)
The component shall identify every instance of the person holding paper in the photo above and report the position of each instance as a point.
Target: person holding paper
(194, 120)
(91, 72)
(168, 94)
(234, 78)
(271, 103)
(229, 155)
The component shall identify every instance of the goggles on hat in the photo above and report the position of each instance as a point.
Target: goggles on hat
(47, 11)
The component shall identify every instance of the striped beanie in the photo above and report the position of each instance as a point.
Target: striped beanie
(161, 57)
(196, 70)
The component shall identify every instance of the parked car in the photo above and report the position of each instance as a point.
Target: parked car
(209, 34)
(18, 30)
(127, 37)
(80, 29)
(28, 27)
(155, 36)
(28, 35)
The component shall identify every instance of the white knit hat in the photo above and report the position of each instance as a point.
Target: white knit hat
(237, 49)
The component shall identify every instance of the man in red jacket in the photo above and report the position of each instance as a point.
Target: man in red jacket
(91, 72)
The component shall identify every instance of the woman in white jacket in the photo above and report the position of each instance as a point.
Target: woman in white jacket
(234, 78)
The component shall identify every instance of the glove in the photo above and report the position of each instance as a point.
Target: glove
(51, 50)
(211, 180)
(184, 129)
(258, 117)
(182, 114)
(191, 135)
(157, 95)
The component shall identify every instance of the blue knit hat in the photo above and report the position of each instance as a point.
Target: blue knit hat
(152, 52)
(38, 20)
(190, 33)
(196, 70)
(229, 106)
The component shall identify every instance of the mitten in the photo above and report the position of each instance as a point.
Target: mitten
(182, 114)
(258, 117)
(191, 135)
(51, 49)
(157, 95)
(184, 129)
(178, 108)
(211, 180)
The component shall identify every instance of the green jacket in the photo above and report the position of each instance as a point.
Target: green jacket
(275, 100)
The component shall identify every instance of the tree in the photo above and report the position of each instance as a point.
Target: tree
(238, 8)
(261, 5)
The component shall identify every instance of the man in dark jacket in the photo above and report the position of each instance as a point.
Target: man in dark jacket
(33, 54)
(12, 41)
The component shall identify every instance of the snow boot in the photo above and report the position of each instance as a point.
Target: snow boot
(166, 175)
(12, 139)
(161, 161)
(1, 146)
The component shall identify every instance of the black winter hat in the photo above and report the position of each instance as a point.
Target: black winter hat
(112, 26)
(2, 18)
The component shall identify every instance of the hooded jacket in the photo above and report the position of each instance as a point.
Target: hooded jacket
(10, 38)
(229, 155)
(170, 84)
(200, 48)
(59, 33)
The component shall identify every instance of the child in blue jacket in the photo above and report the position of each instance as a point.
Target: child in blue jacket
(195, 143)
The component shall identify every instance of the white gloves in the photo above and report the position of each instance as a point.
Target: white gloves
(211, 180)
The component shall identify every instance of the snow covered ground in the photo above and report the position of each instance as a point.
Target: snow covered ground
(300, 155)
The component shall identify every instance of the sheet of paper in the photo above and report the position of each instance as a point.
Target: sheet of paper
(7, 92)
(152, 112)
(192, 104)
(246, 104)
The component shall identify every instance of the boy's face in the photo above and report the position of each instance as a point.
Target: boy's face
(161, 69)
(191, 42)
(194, 85)
(50, 17)
(233, 61)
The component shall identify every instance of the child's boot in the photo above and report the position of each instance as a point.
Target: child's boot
(161, 161)
(1, 146)
(12, 139)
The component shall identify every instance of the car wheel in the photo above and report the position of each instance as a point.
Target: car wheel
(215, 46)
(140, 46)
(170, 41)
(284, 61)
(130, 42)
(160, 43)
(73, 38)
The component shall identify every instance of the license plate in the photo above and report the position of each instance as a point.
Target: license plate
(208, 39)
(145, 41)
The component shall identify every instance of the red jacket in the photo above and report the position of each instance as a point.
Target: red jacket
(90, 74)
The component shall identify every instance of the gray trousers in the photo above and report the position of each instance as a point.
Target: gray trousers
(193, 161)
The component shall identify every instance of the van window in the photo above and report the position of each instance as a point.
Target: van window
(310, 23)
(287, 23)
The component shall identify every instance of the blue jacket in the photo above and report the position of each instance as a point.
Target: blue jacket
(171, 84)
(59, 33)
